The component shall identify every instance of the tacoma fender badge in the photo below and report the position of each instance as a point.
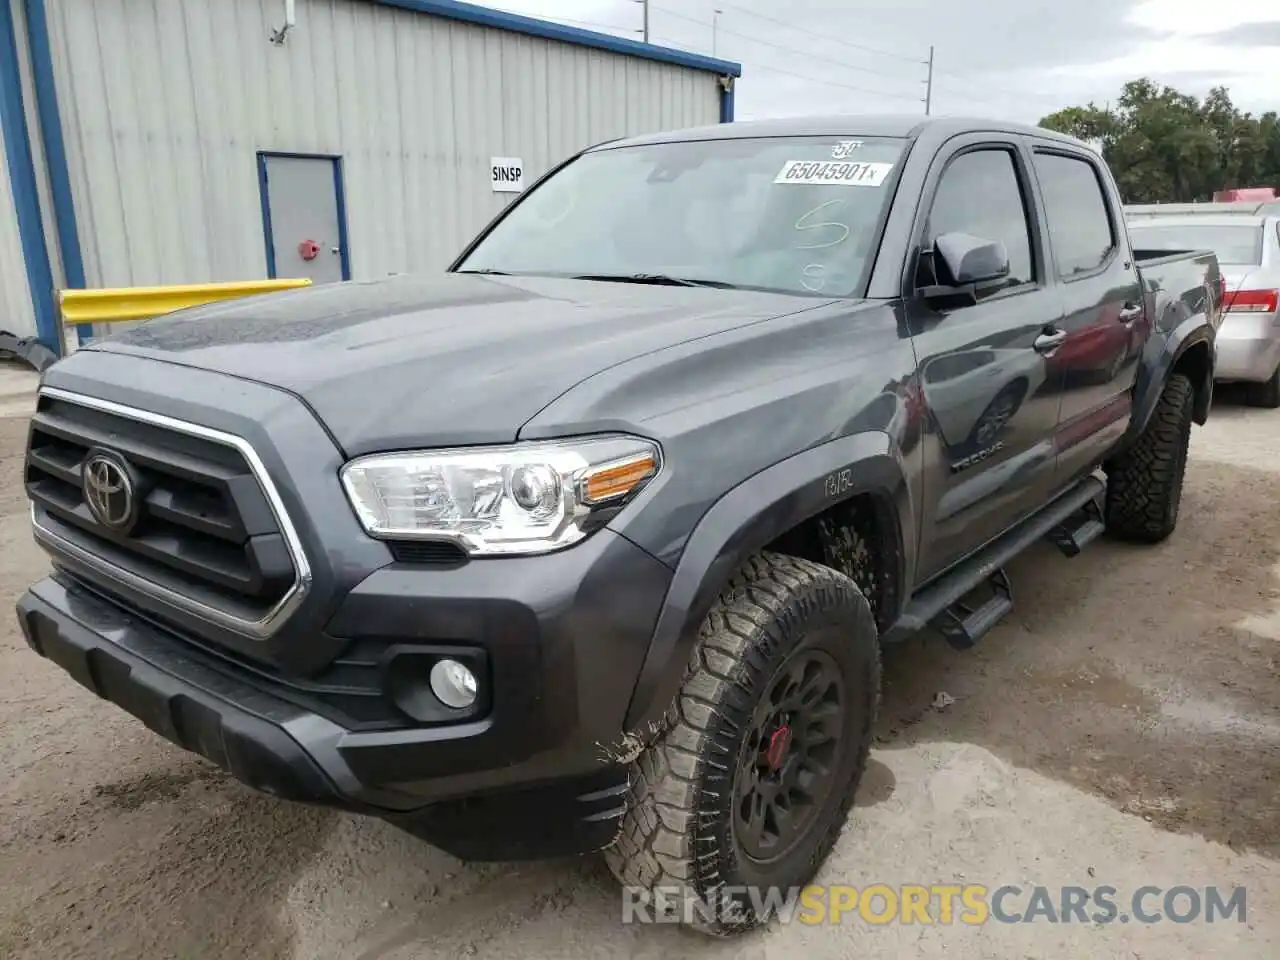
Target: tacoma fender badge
(967, 462)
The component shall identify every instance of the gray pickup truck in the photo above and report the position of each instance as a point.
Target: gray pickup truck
(592, 541)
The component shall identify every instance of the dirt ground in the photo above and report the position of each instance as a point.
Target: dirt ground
(1121, 727)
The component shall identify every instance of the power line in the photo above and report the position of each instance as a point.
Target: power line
(833, 83)
(929, 94)
(595, 24)
(1017, 94)
(853, 46)
(780, 46)
(821, 36)
(598, 26)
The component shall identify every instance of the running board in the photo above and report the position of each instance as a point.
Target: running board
(1079, 530)
(963, 625)
(936, 599)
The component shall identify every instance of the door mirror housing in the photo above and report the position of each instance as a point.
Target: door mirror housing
(971, 260)
(965, 265)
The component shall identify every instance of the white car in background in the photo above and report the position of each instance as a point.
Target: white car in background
(1246, 238)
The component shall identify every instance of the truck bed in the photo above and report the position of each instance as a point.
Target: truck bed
(1147, 259)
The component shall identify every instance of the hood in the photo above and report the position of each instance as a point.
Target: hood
(448, 359)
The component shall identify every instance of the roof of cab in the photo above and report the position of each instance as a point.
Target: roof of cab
(866, 125)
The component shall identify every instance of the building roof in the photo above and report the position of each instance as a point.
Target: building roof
(865, 125)
(530, 26)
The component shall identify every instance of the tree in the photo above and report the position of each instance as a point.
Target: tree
(1163, 145)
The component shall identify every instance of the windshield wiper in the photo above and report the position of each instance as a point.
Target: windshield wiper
(658, 279)
(492, 273)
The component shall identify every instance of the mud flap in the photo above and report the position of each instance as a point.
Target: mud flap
(27, 349)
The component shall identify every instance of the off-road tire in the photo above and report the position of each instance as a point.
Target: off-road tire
(1265, 394)
(1144, 484)
(677, 843)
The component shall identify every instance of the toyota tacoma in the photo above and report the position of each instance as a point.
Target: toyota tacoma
(592, 540)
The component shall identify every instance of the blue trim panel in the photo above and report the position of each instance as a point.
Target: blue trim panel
(22, 180)
(340, 202)
(263, 196)
(340, 198)
(726, 104)
(470, 13)
(55, 152)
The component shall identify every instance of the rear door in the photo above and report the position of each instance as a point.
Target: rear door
(989, 452)
(1103, 316)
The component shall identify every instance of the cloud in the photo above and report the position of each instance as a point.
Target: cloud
(1250, 35)
(1014, 59)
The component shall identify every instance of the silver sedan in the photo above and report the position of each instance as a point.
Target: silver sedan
(1246, 239)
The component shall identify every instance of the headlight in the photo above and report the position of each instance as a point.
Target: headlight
(523, 498)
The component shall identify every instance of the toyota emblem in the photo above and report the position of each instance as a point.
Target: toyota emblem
(109, 491)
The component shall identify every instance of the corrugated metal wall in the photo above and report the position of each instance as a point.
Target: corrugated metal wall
(165, 103)
(16, 314)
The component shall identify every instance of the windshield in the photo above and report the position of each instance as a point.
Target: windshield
(791, 214)
(1235, 243)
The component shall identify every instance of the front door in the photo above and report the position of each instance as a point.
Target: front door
(989, 457)
(302, 208)
(1103, 316)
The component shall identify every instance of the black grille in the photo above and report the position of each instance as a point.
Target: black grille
(435, 552)
(349, 691)
(204, 527)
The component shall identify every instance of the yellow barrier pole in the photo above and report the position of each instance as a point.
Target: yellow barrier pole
(117, 305)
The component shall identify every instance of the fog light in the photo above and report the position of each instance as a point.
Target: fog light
(453, 684)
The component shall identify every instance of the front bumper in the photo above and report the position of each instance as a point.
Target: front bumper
(564, 636)
(1248, 347)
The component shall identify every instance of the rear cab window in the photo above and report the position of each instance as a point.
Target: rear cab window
(1082, 227)
(798, 215)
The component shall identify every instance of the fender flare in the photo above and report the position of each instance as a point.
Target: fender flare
(1154, 374)
(746, 519)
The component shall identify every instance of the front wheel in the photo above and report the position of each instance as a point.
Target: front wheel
(1144, 484)
(741, 798)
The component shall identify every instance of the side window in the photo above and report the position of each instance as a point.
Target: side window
(980, 194)
(1076, 207)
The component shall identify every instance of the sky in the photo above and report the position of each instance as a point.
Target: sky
(1007, 59)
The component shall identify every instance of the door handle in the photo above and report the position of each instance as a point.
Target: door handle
(1129, 313)
(1049, 340)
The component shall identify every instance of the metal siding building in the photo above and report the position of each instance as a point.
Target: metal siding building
(176, 143)
(16, 312)
(25, 280)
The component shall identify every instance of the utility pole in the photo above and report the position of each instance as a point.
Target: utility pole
(645, 6)
(928, 84)
(715, 18)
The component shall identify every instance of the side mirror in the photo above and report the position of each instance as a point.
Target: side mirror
(968, 260)
(964, 266)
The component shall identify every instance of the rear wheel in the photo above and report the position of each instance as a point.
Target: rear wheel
(749, 784)
(1265, 394)
(1144, 484)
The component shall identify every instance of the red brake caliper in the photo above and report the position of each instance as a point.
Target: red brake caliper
(779, 744)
